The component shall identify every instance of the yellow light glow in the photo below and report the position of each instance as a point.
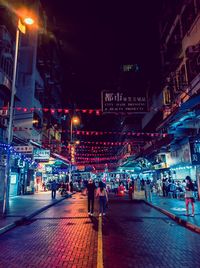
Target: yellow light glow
(75, 120)
(35, 121)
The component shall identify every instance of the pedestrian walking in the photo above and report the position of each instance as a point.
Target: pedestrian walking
(131, 191)
(138, 183)
(44, 186)
(53, 189)
(189, 195)
(148, 190)
(71, 187)
(103, 198)
(90, 194)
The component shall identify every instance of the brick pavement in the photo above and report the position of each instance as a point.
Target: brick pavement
(137, 235)
(134, 235)
(26, 206)
(29, 205)
(175, 208)
(62, 236)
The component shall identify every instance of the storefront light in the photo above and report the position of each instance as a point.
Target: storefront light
(181, 168)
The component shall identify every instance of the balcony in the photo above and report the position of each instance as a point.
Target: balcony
(4, 80)
(5, 37)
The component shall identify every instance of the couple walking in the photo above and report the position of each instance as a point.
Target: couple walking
(101, 193)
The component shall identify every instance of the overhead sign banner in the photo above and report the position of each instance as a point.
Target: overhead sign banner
(42, 155)
(119, 102)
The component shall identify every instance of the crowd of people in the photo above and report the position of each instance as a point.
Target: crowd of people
(184, 189)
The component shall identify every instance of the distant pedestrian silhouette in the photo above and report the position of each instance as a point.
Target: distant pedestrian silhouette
(90, 193)
(53, 189)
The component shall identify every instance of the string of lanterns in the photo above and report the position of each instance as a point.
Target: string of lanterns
(54, 110)
(105, 143)
(71, 111)
(101, 133)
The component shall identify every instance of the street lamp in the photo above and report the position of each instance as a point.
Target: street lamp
(21, 27)
(75, 120)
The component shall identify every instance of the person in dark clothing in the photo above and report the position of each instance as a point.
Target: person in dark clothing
(90, 193)
(71, 187)
(131, 191)
(53, 189)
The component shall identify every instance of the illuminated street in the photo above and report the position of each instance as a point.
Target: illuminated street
(133, 235)
(100, 134)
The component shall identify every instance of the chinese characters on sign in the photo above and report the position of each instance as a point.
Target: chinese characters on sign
(42, 155)
(121, 103)
(24, 149)
(195, 152)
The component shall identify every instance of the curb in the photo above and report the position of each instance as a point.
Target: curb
(28, 217)
(177, 219)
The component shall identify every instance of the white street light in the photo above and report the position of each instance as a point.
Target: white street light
(20, 28)
(75, 120)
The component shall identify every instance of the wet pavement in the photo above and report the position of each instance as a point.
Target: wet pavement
(175, 208)
(27, 206)
(137, 235)
(62, 236)
(134, 234)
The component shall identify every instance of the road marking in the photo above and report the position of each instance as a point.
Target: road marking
(100, 245)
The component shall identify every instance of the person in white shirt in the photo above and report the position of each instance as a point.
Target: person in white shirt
(189, 195)
(101, 193)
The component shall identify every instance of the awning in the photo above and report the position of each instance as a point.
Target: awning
(190, 104)
(60, 157)
(185, 107)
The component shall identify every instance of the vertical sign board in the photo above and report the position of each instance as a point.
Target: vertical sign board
(195, 152)
(119, 102)
(195, 157)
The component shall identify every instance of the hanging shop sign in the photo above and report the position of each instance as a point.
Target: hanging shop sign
(161, 161)
(24, 149)
(195, 152)
(160, 166)
(42, 155)
(182, 155)
(118, 102)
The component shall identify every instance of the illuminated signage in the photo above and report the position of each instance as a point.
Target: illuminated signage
(195, 152)
(118, 102)
(40, 154)
(24, 149)
(160, 166)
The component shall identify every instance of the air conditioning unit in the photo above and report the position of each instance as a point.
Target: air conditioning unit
(3, 121)
(3, 112)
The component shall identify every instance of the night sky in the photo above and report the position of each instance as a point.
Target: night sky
(99, 36)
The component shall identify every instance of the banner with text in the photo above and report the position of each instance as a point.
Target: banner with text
(119, 102)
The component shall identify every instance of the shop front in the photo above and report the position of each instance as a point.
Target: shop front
(181, 164)
(195, 158)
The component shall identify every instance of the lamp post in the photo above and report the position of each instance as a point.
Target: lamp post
(20, 28)
(75, 120)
